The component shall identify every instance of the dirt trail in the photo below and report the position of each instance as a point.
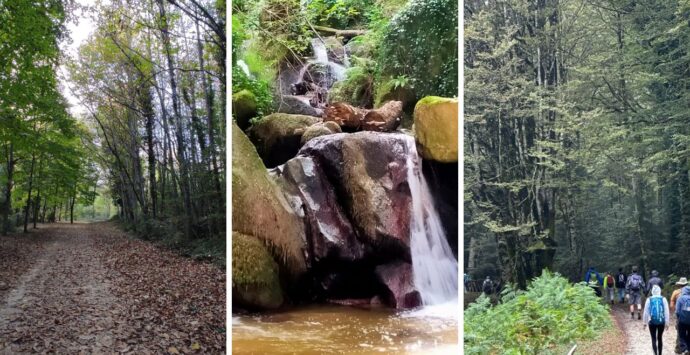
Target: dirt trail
(639, 341)
(76, 297)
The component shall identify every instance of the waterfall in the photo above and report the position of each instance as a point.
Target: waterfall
(433, 264)
(245, 68)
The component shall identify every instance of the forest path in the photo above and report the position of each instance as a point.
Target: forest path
(639, 341)
(91, 289)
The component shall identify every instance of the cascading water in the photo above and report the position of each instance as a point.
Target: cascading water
(245, 68)
(321, 56)
(434, 266)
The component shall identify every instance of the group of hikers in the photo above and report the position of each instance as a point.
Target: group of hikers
(657, 311)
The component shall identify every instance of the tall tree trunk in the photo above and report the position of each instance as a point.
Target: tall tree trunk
(8, 189)
(28, 198)
(184, 169)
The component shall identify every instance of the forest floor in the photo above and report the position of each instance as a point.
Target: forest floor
(90, 288)
(638, 339)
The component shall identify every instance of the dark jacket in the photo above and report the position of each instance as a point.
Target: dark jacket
(621, 278)
(683, 306)
(655, 281)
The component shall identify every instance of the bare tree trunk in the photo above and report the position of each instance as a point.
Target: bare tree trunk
(8, 189)
(184, 169)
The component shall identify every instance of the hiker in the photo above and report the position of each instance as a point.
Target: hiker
(634, 288)
(654, 280)
(620, 284)
(656, 316)
(682, 282)
(466, 279)
(609, 287)
(593, 280)
(487, 286)
(683, 315)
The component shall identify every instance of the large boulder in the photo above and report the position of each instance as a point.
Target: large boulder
(295, 105)
(255, 282)
(335, 49)
(244, 108)
(277, 136)
(260, 209)
(330, 234)
(368, 171)
(399, 281)
(436, 128)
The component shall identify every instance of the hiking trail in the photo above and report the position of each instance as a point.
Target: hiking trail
(89, 288)
(638, 340)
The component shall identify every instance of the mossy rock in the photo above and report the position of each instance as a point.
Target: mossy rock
(436, 128)
(255, 282)
(320, 129)
(421, 43)
(357, 88)
(244, 108)
(262, 210)
(277, 136)
(335, 48)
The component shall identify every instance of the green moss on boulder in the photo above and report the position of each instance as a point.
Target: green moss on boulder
(436, 128)
(277, 136)
(244, 108)
(255, 282)
(261, 209)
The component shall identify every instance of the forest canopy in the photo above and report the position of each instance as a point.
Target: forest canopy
(576, 137)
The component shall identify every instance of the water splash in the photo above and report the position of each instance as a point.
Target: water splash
(245, 68)
(434, 266)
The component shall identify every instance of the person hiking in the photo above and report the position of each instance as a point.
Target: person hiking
(654, 280)
(593, 280)
(656, 316)
(609, 287)
(634, 288)
(682, 282)
(620, 284)
(487, 286)
(683, 315)
(466, 279)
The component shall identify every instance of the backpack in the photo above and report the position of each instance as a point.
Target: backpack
(486, 287)
(621, 278)
(683, 309)
(609, 281)
(656, 311)
(635, 282)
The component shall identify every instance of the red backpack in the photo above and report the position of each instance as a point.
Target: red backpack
(609, 281)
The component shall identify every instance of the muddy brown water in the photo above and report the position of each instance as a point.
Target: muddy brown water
(326, 329)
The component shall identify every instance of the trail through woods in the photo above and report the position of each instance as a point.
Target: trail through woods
(638, 340)
(88, 288)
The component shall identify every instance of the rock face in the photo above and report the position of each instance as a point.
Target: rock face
(330, 234)
(436, 128)
(277, 136)
(368, 171)
(260, 209)
(398, 279)
(295, 105)
(255, 283)
(243, 108)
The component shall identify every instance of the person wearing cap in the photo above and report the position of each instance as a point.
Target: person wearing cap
(682, 282)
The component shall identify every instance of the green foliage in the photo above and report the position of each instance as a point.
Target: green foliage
(358, 86)
(420, 43)
(551, 312)
(261, 90)
(339, 13)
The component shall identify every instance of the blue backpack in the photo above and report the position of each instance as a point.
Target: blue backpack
(656, 311)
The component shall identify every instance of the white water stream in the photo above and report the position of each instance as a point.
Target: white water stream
(434, 266)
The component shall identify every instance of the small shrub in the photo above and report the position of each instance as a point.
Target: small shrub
(551, 312)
